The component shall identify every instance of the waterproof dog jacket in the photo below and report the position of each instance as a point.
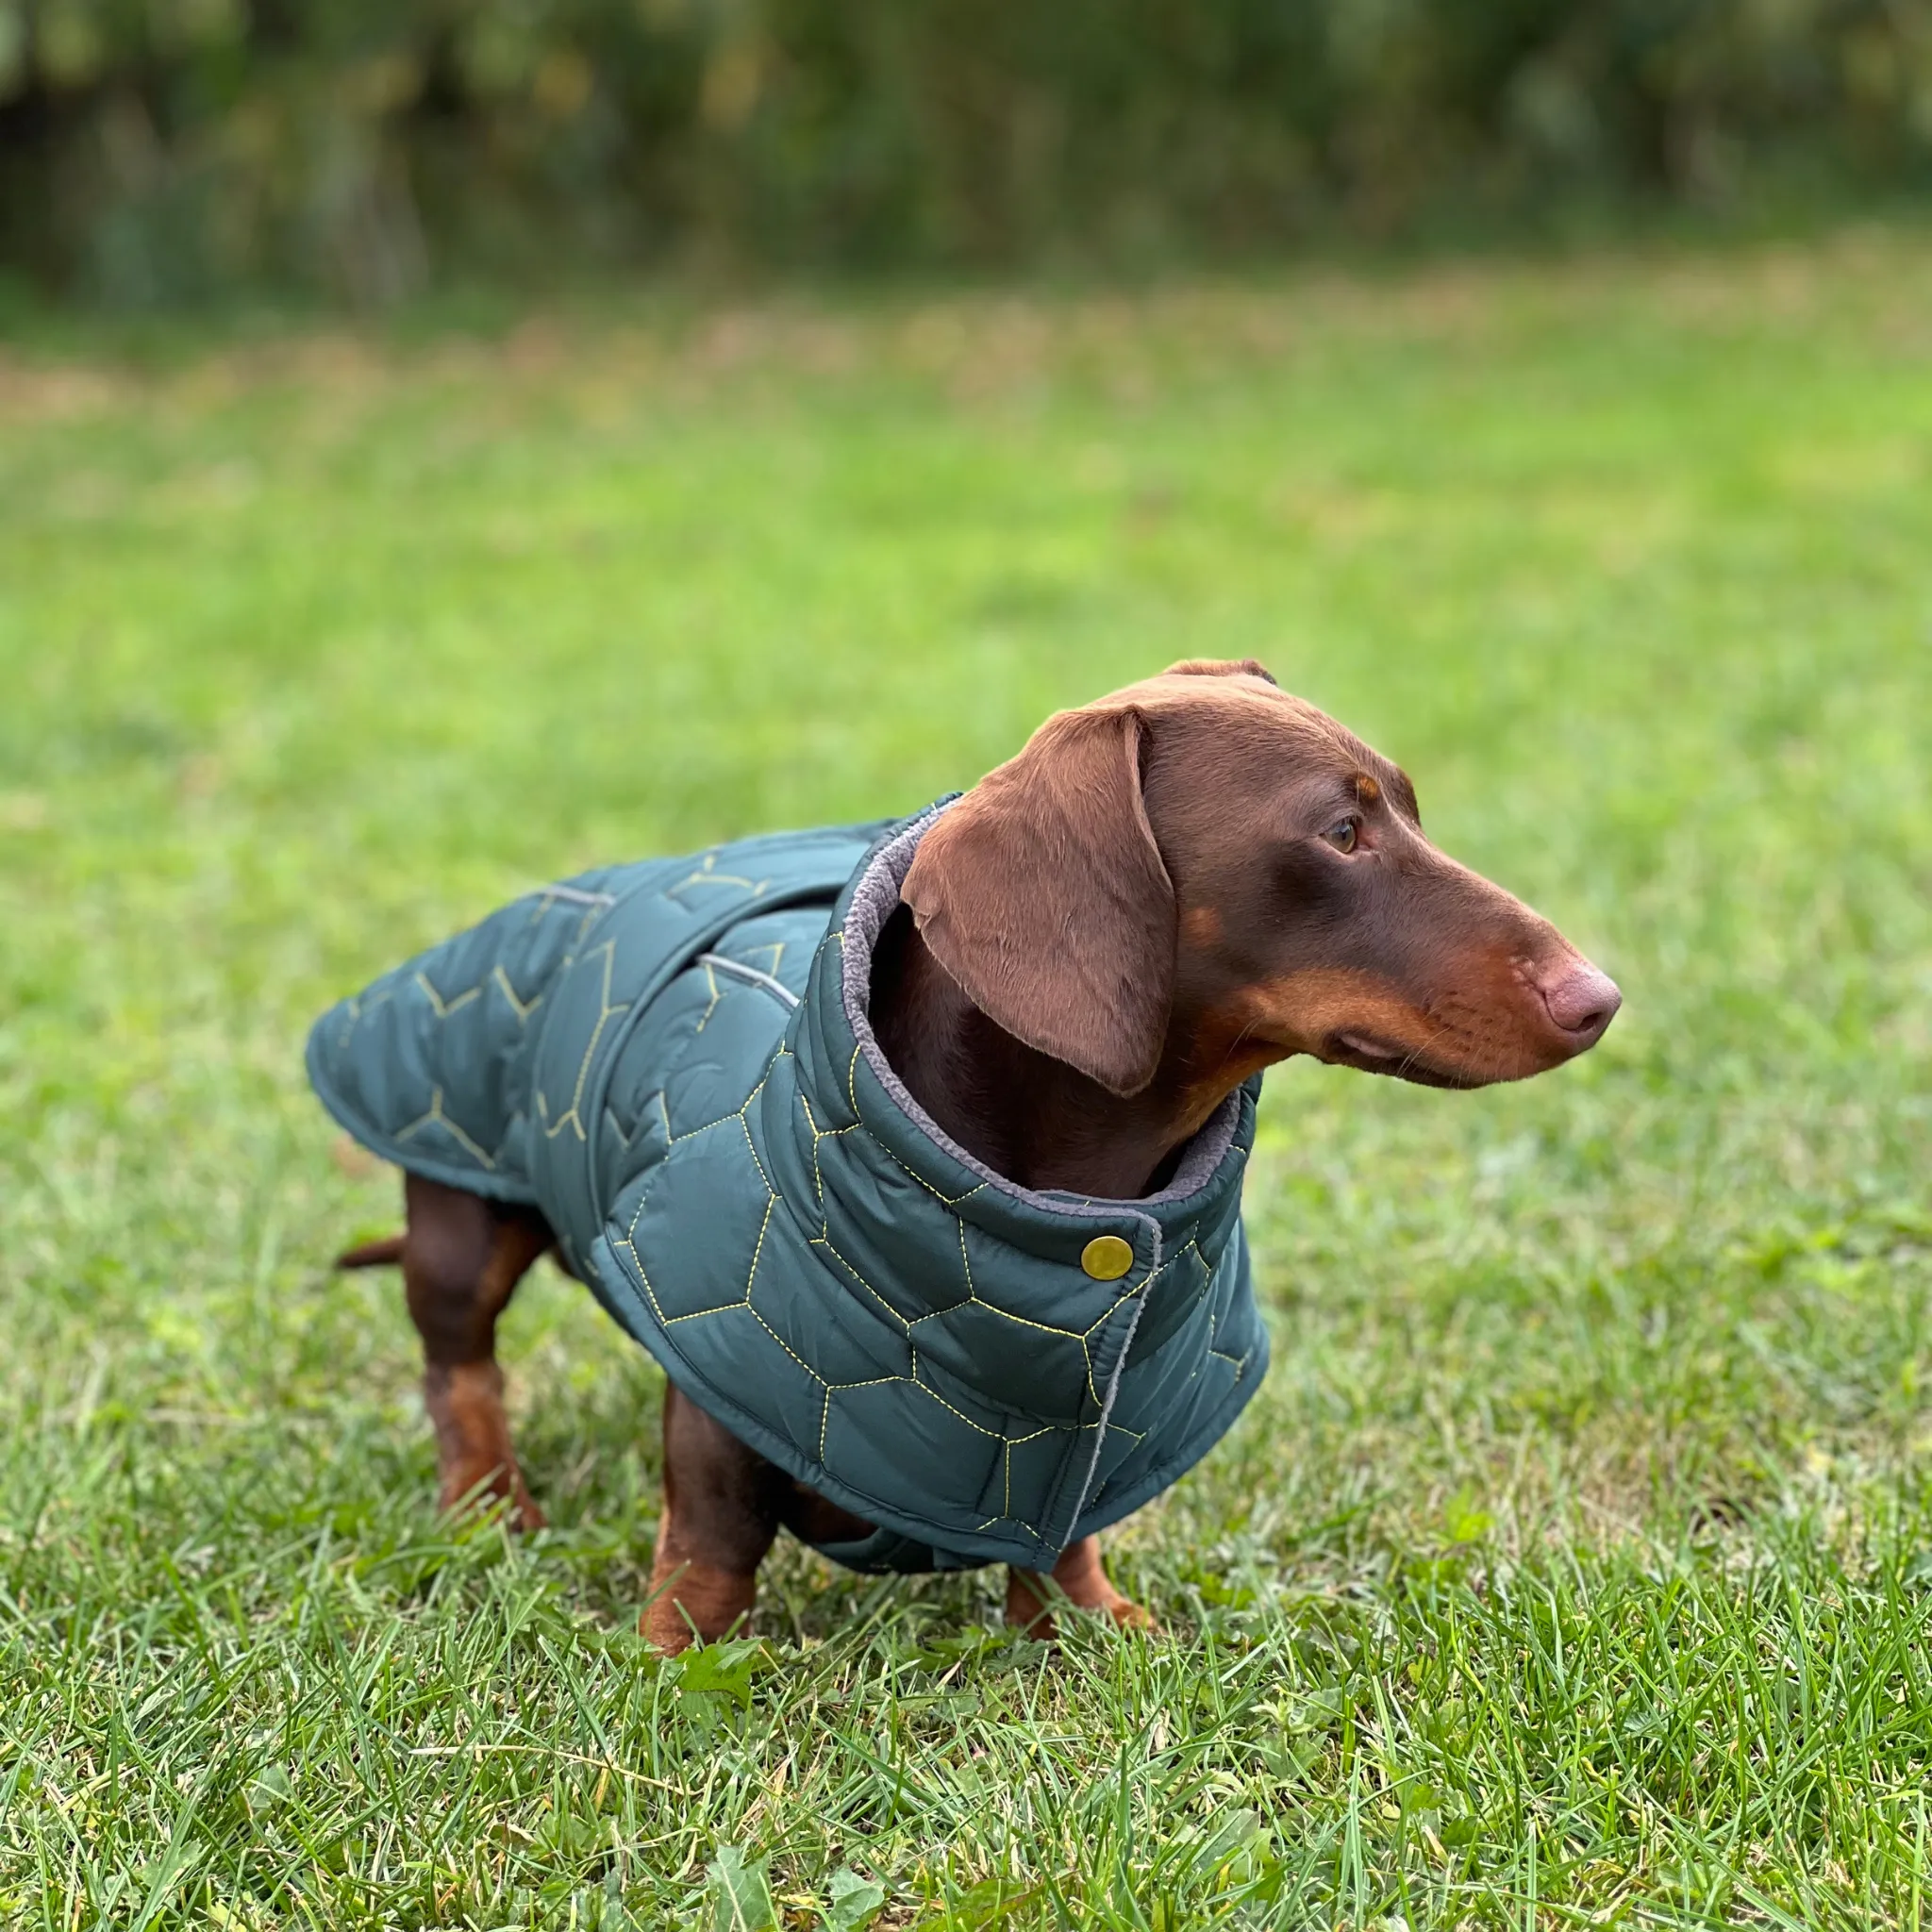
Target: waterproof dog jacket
(673, 1061)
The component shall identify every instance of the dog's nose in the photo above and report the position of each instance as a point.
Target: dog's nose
(1581, 1001)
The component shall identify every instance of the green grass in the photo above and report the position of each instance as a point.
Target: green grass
(1576, 1563)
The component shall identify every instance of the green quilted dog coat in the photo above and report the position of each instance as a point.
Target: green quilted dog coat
(672, 1061)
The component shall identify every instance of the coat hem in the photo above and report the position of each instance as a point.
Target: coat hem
(973, 1551)
(468, 1180)
(1137, 1495)
(965, 1551)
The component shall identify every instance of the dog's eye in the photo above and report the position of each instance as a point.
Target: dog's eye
(1342, 836)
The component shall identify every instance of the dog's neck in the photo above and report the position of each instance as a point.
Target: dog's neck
(1029, 1117)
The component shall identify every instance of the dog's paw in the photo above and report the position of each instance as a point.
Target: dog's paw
(695, 1601)
(1029, 1606)
(665, 1630)
(463, 1494)
(1132, 1616)
(1041, 1626)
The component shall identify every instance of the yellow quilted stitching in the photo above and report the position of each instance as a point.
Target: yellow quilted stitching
(818, 1174)
(820, 1242)
(786, 1347)
(708, 874)
(435, 1117)
(764, 1227)
(1018, 1320)
(950, 1201)
(355, 1008)
(444, 1005)
(952, 1307)
(650, 1293)
(724, 1308)
(1013, 1442)
(992, 1521)
(775, 947)
(832, 1389)
(705, 1018)
(1098, 1400)
(925, 1388)
(522, 1008)
(751, 1148)
(605, 1014)
(442, 1008)
(835, 1388)
(824, 1238)
(737, 1113)
(1147, 1285)
(818, 1134)
(772, 1201)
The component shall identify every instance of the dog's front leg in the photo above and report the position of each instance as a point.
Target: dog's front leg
(1082, 1578)
(720, 1513)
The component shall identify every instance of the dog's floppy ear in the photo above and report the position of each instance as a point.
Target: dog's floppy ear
(1220, 667)
(1042, 893)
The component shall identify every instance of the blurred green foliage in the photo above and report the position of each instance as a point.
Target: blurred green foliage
(155, 149)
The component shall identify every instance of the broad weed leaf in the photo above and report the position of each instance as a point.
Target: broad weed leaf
(856, 1902)
(739, 1892)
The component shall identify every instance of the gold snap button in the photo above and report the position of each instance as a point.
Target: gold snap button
(1107, 1258)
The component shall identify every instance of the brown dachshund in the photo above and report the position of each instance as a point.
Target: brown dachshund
(1164, 893)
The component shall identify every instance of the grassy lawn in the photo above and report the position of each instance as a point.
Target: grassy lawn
(1576, 1564)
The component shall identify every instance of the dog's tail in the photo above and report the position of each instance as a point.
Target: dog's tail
(383, 1253)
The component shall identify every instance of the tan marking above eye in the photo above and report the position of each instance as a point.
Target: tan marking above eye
(1366, 790)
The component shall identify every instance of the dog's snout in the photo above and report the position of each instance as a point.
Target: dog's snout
(1581, 1001)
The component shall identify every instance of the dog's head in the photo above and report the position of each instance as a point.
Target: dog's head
(1201, 875)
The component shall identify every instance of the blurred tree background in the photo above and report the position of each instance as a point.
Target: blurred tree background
(155, 151)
